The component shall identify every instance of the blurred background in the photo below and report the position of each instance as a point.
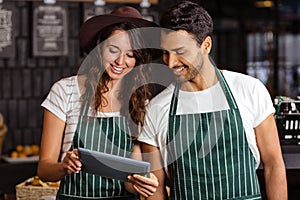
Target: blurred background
(39, 45)
(256, 37)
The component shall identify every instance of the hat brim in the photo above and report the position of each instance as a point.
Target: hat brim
(90, 29)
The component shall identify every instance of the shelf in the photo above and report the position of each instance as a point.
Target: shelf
(107, 1)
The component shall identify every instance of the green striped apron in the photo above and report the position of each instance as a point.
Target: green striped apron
(109, 135)
(217, 163)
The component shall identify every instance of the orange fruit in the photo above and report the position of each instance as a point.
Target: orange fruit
(19, 148)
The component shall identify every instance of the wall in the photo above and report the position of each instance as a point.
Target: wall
(25, 80)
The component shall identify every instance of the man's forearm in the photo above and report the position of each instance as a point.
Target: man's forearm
(276, 184)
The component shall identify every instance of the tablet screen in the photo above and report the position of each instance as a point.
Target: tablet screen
(111, 166)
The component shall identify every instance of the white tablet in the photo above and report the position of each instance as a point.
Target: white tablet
(111, 166)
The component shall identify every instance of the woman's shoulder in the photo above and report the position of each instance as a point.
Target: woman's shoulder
(65, 83)
(67, 80)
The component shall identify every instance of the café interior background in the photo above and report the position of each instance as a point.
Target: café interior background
(260, 38)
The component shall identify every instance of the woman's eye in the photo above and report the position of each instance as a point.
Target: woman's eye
(113, 50)
(130, 55)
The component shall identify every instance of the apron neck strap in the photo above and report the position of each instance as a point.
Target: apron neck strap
(174, 100)
(228, 94)
(85, 105)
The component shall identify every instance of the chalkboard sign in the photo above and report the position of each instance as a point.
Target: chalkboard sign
(50, 33)
(7, 30)
(90, 10)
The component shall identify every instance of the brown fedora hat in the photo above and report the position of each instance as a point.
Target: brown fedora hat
(90, 29)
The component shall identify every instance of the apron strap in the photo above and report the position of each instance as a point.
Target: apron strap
(82, 118)
(174, 100)
(227, 92)
(230, 99)
(85, 109)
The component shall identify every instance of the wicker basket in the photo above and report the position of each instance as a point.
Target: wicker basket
(25, 191)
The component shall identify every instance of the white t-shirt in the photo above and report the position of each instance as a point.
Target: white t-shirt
(64, 101)
(251, 96)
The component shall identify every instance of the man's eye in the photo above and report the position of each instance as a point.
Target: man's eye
(179, 52)
(165, 52)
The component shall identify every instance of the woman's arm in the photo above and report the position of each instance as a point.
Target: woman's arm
(49, 169)
(137, 183)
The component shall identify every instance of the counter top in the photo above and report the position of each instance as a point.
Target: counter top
(14, 173)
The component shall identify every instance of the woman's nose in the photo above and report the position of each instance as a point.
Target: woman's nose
(121, 59)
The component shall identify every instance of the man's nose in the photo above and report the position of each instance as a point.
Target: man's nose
(171, 60)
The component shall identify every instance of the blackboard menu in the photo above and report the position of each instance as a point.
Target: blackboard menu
(50, 33)
(7, 30)
(90, 10)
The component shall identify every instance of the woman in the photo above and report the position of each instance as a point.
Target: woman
(106, 98)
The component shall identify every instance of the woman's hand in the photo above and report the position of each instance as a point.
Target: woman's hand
(71, 163)
(143, 185)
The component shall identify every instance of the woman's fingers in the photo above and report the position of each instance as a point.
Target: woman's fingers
(71, 162)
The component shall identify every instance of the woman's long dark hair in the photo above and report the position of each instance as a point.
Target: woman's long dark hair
(134, 91)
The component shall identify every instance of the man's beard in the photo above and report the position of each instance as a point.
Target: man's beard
(189, 76)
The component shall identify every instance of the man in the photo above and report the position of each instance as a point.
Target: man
(212, 127)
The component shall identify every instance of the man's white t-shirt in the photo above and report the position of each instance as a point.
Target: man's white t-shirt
(252, 97)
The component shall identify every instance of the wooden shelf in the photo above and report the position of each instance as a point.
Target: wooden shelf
(108, 1)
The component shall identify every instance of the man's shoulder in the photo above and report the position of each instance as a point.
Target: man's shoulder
(237, 75)
(239, 79)
(243, 85)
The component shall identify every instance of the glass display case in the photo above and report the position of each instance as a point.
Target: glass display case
(288, 120)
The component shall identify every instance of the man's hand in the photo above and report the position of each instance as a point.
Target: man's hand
(143, 185)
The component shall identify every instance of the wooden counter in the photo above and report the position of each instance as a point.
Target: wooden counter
(12, 174)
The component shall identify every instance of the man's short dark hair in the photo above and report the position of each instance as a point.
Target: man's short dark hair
(188, 16)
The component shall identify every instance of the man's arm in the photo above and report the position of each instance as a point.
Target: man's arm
(271, 156)
(152, 155)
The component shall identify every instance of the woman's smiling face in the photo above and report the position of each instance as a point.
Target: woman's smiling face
(117, 55)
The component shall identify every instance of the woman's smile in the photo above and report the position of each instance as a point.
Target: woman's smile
(116, 69)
